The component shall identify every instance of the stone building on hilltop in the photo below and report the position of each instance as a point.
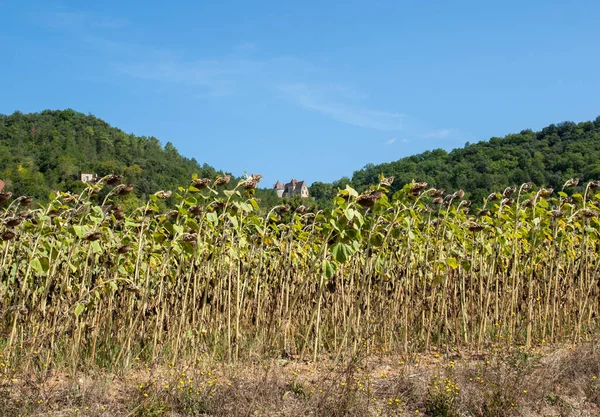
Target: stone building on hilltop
(87, 177)
(292, 188)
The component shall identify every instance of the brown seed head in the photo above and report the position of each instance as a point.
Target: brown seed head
(459, 194)
(437, 200)
(196, 210)
(573, 182)
(201, 183)
(493, 197)
(113, 179)
(284, 208)
(508, 191)
(123, 189)
(124, 249)
(386, 182)
(163, 195)
(5, 196)
(528, 203)
(26, 215)
(369, 200)
(92, 236)
(587, 213)
(13, 221)
(527, 186)
(475, 227)
(220, 181)
(25, 201)
(173, 214)
(417, 187)
(438, 193)
(301, 209)
(189, 237)
(8, 235)
(251, 182)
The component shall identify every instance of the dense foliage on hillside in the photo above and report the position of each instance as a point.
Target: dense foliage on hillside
(547, 158)
(45, 151)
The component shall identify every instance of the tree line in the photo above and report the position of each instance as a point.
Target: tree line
(547, 158)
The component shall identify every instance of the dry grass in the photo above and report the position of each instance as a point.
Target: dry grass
(558, 381)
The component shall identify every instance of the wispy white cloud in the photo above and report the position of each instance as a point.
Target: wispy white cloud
(235, 70)
(437, 134)
(217, 76)
(391, 141)
(332, 101)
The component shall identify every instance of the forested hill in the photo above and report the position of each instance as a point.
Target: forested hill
(45, 151)
(547, 158)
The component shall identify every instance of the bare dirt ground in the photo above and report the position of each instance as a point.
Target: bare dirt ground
(548, 382)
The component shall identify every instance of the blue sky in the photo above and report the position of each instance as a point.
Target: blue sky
(312, 90)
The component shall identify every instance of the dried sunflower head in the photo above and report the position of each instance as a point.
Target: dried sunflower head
(508, 191)
(417, 187)
(437, 201)
(458, 194)
(301, 209)
(201, 183)
(284, 208)
(92, 236)
(220, 181)
(369, 200)
(163, 195)
(493, 197)
(386, 182)
(173, 214)
(573, 182)
(124, 249)
(527, 186)
(528, 203)
(438, 193)
(8, 235)
(545, 192)
(587, 213)
(123, 189)
(113, 179)
(475, 227)
(251, 182)
(4, 196)
(196, 210)
(13, 221)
